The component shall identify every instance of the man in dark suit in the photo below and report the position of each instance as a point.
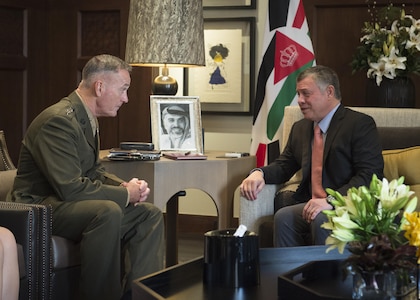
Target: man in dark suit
(59, 166)
(352, 154)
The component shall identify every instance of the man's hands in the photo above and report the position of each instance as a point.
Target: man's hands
(137, 189)
(252, 185)
(313, 207)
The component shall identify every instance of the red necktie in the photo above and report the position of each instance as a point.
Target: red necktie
(317, 153)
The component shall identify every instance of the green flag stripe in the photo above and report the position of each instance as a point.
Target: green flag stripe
(283, 99)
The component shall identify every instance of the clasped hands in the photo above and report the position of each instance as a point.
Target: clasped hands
(138, 190)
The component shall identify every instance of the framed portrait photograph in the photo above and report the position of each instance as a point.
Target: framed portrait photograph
(176, 123)
(225, 84)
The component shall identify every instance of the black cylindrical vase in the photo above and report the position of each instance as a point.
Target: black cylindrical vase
(231, 261)
(397, 92)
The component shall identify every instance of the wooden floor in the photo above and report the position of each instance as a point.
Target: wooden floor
(190, 246)
(191, 230)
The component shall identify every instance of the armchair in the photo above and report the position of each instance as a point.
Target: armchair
(399, 128)
(49, 266)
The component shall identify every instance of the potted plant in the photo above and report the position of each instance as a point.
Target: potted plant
(379, 227)
(389, 52)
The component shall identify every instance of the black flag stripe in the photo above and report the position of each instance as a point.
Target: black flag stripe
(277, 11)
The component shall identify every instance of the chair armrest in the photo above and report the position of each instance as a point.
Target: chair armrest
(31, 225)
(253, 213)
(6, 182)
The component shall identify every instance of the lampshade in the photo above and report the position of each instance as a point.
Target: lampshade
(165, 33)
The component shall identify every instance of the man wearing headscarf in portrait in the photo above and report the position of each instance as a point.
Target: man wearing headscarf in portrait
(176, 128)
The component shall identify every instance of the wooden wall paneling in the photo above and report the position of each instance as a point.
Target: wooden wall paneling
(100, 32)
(133, 120)
(134, 117)
(43, 47)
(11, 112)
(13, 65)
(335, 29)
(94, 27)
(335, 36)
(37, 53)
(22, 66)
(63, 49)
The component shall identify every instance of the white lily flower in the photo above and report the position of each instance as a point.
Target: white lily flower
(344, 222)
(369, 211)
(351, 207)
(335, 243)
(414, 22)
(395, 194)
(376, 70)
(393, 61)
(366, 38)
(343, 235)
(394, 27)
(414, 40)
(375, 54)
(384, 188)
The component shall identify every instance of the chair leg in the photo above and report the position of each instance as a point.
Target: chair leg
(172, 229)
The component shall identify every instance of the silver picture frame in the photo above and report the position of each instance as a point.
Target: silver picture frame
(176, 123)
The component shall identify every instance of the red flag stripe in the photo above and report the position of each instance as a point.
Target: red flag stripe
(300, 16)
(260, 154)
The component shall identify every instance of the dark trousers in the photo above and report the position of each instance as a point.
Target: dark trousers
(103, 230)
(291, 230)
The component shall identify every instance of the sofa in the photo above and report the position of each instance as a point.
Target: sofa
(49, 266)
(399, 130)
(29, 226)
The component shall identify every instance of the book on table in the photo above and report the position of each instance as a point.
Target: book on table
(184, 155)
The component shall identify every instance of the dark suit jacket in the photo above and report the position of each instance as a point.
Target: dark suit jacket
(352, 154)
(59, 159)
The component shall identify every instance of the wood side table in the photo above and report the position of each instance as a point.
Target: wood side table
(217, 177)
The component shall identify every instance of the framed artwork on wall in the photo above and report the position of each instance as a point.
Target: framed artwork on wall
(176, 123)
(229, 4)
(226, 84)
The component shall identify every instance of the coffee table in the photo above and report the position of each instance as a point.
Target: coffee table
(185, 281)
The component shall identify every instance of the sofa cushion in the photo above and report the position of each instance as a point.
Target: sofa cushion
(399, 137)
(404, 162)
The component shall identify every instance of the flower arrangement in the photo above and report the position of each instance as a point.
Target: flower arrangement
(389, 47)
(371, 222)
(412, 230)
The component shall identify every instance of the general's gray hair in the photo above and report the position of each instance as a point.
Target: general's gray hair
(103, 63)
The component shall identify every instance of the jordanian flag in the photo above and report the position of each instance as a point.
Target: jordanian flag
(287, 51)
